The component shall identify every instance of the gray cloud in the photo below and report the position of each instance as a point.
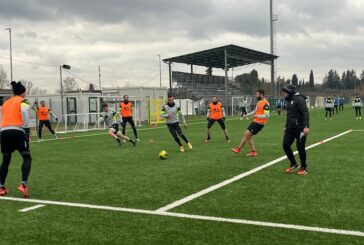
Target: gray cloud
(124, 37)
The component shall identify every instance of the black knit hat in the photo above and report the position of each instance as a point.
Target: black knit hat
(18, 88)
(289, 88)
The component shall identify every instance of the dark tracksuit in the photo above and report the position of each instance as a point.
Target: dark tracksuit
(297, 120)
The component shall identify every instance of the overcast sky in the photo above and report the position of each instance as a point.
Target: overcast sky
(125, 37)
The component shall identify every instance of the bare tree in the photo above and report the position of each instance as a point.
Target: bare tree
(70, 84)
(28, 85)
(38, 91)
(4, 82)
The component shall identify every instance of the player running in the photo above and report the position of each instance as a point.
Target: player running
(216, 113)
(260, 115)
(112, 120)
(243, 105)
(43, 113)
(13, 138)
(172, 113)
(296, 128)
(279, 104)
(357, 105)
(126, 111)
(329, 104)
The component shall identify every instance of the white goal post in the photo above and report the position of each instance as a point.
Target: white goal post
(235, 104)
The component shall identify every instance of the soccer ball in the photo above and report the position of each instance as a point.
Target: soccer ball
(163, 155)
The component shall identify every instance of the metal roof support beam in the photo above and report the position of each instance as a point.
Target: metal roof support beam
(170, 77)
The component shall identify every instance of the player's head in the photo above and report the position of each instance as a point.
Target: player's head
(105, 107)
(42, 103)
(170, 100)
(356, 95)
(259, 94)
(288, 91)
(126, 98)
(214, 100)
(18, 88)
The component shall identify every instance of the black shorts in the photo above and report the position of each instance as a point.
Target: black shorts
(46, 123)
(116, 128)
(212, 121)
(128, 120)
(328, 109)
(279, 107)
(254, 128)
(13, 140)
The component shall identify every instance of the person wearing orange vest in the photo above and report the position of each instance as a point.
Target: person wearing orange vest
(43, 113)
(260, 115)
(126, 111)
(215, 113)
(13, 138)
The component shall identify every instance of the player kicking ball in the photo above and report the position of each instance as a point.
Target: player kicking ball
(111, 120)
(260, 115)
(172, 113)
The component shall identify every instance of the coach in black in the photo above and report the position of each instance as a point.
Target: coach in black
(296, 128)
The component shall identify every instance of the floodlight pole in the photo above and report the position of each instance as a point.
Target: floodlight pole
(61, 81)
(11, 54)
(100, 79)
(160, 71)
(272, 70)
(170, 77)
(226, 80)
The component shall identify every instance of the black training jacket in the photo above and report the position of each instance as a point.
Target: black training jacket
(297, 112)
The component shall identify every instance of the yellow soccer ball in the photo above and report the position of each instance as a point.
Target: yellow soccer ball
(163, 155)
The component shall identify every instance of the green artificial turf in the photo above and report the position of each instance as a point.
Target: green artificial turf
(94, 170)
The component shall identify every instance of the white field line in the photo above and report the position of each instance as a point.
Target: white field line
(31, 208)
(142, 129)
(191, 216)
(238, 177)
(358, 130)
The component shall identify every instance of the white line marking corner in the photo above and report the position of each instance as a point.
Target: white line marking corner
(31, 208)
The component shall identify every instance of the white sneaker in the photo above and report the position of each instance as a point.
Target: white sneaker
(357, 118)
(241, 119)
(137, 139)
(39, 140)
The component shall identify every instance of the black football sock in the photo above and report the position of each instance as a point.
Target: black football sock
(184, 138)
(135, 133)
(25, 168)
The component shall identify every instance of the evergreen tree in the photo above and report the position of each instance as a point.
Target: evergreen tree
(311, 81)
(332, 80)
(295, 80)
